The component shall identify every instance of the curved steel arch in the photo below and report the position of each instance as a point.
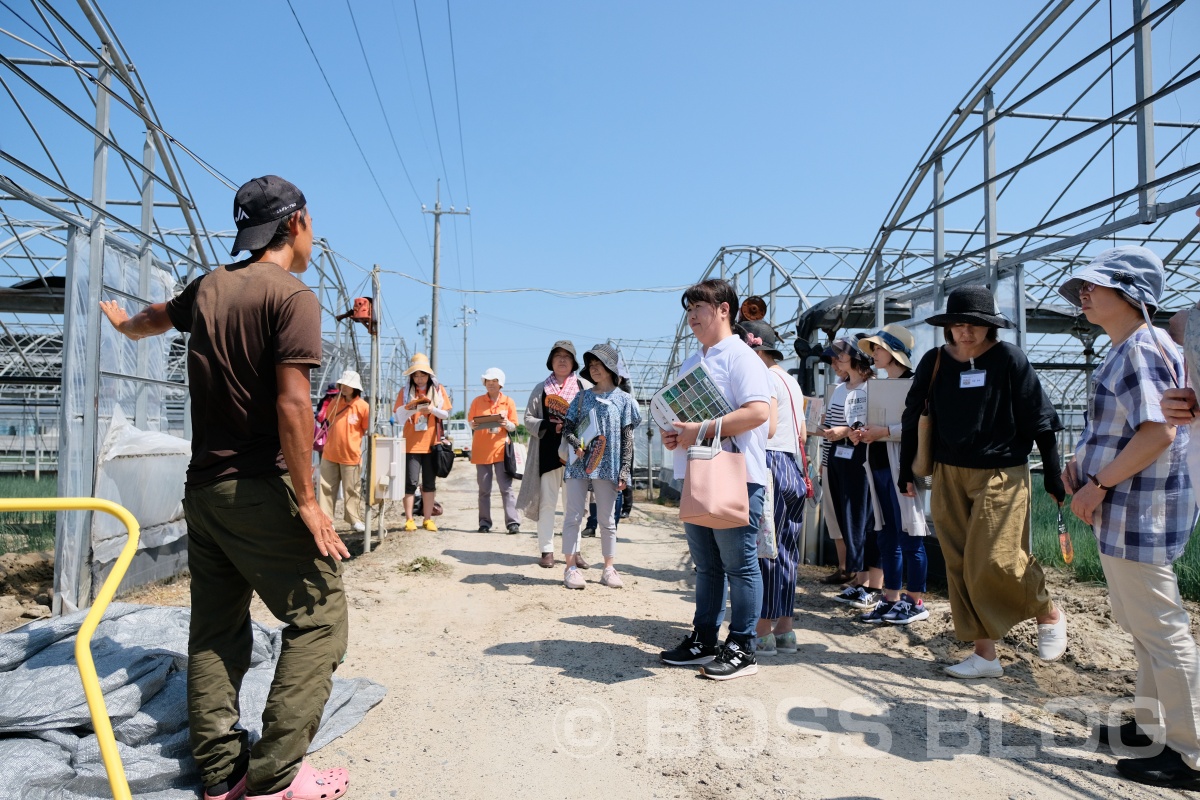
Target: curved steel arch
(95, 203)
(1098, 146)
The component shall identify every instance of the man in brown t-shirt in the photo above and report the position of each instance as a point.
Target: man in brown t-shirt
(254, 524)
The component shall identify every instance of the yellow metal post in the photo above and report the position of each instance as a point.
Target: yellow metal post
(83, 641)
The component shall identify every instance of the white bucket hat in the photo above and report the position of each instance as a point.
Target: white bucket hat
(494, 374)
(350, 378)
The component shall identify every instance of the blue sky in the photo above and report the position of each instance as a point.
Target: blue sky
(606, 145)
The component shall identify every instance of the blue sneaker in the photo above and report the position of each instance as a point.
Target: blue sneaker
(786, 642)
(905, 612)
(876, 615)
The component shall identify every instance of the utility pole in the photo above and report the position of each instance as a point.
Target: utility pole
(423, 330)
(437, 263)
(375, 397)
(466, 321)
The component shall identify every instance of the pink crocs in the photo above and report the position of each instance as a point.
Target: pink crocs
(236, 793)
(309, 784)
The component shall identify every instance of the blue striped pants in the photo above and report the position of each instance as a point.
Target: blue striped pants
(779, 573)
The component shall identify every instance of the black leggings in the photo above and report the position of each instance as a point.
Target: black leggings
(423, 463)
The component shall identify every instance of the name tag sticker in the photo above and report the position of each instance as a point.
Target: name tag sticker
(842, 451)
(972, 379)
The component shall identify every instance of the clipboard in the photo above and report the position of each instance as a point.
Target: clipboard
(885, 400)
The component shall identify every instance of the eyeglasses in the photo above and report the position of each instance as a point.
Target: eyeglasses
(1087, 287)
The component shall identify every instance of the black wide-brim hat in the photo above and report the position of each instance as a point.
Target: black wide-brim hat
(973, 305)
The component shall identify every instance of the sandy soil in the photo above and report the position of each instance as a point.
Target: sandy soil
(502, 683)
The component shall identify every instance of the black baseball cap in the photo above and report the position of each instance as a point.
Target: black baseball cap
(257, 208)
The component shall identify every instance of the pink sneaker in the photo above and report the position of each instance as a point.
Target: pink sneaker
(611, 579)
(236, 793)
(309, 784)
(573, 578)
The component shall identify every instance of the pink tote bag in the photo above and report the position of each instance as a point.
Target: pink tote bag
(714, 486)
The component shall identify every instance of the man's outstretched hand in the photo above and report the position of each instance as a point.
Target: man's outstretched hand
(321, 527)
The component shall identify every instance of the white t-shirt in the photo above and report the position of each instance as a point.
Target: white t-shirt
(743, 378)
(785, 438)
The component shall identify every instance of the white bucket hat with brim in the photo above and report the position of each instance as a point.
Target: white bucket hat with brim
(350, 378)
(494, 374)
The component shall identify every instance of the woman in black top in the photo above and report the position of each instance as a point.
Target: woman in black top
(988, 408)
(544, 414)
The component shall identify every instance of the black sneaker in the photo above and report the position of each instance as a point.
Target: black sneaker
(731, 662)
(866, 599)
(875, 616)
(1165, 769)
(689, 651)
(589, 531)
(1128, 735)
(514, 527)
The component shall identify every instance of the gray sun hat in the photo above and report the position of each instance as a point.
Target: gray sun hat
(607, 355)
(762, 338)
(569, 347)
(1135, 272)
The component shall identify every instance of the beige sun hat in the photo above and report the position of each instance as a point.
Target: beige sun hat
(896, 339)
(420, 363)
(350, 378)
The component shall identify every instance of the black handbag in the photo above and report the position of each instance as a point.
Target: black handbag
(510, 461)
(443, 454)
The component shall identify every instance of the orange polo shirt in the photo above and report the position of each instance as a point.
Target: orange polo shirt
(487, 446)
(348, 421)
(415, 441)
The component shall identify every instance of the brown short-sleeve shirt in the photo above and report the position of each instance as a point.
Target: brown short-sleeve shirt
(244, 319)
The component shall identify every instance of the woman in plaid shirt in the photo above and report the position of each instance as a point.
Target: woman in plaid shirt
(1130, 483)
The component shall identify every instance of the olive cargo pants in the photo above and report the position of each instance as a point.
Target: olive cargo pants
(246, 536)
(982, 517)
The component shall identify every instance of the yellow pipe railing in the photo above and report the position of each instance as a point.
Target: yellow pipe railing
(83, 641)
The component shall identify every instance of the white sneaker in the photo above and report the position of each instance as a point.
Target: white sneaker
(975, 666)
(611, 579)
(1052, 639)
(359, 527)
(573, 578)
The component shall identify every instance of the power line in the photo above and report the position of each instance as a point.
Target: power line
(353, 136)
(461, 151)
(457, 108)
(379, 99)
(542, 290)
(433, 109)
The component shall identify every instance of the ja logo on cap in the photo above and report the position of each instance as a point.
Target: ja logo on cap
(241, 215)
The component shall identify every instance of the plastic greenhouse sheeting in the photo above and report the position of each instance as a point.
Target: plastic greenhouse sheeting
(143, 471)
(48, 749)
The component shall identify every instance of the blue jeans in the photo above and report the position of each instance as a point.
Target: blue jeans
(896, 548)
(730, 554)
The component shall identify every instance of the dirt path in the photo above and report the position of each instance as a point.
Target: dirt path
(501, 683)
